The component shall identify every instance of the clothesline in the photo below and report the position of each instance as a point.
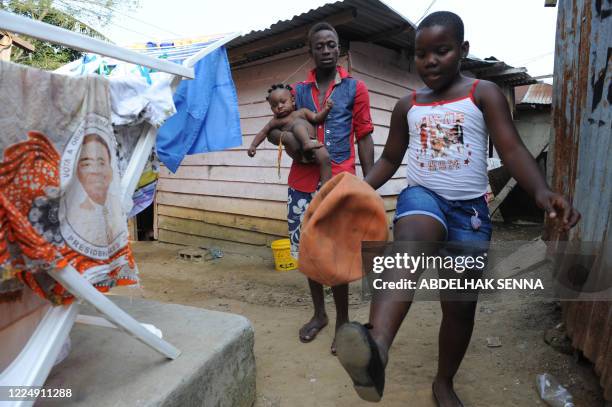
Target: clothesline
(46, 32)
(38, 224)
(185, 51)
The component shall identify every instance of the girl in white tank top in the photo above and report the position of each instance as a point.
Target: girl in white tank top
(447, 175)
(448, 147)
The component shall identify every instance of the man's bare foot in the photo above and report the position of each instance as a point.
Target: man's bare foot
(311, 145)
(311, 328)
(339, 323)
(444, 394)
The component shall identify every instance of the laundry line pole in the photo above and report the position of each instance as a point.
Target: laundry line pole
(47, 32)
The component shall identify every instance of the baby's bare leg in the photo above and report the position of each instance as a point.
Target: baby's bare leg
(292, 145)
(304, 132)
(290, 142)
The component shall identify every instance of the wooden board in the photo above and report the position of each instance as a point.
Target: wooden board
(225, 193)
(264, 158)
(388, 65)
(243, 174)
(381, 131)
(380, 86)
(169, 236)
(238, 206)
(253, 224)
(225, 173)
(269, 192)
(198, 228)
(535, 148)
(259, 108)
(133, 229)
(251, 125)
(252, 83)
(382, 102)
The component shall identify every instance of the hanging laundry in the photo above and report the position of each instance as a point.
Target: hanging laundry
(59, 184)
(140, 98)
(147, 185)
(138, 94)
(207, 117)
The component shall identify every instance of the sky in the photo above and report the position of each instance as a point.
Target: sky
(519, 32)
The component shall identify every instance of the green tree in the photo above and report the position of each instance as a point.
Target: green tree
(75, 15)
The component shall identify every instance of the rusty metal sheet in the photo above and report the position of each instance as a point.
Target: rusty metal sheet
(536, 94)
(581, 147)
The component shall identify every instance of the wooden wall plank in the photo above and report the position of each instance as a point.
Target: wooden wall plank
(382, 102)
(268, 192)
(239, 206)
(260, 108)
(389, 65)
(382, 87)
(198, 228)
(251, 126)
(227, 195)
(266, 175)
(247, 207)
(225, 173)
(185, 239)
(264, 158)
(252, 83)
(192, 232)
(263, 225)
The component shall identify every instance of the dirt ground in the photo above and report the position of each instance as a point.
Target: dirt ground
(293, 374)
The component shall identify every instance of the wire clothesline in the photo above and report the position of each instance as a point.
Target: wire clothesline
(37, 29)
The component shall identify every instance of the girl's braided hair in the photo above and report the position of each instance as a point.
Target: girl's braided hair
(278, 86)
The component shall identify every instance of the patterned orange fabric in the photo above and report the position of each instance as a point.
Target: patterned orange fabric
(29, 248)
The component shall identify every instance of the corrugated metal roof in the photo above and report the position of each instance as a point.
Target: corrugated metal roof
(497, 71)
(358, 20)
(536, 94)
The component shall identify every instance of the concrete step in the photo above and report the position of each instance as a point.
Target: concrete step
(107, 367)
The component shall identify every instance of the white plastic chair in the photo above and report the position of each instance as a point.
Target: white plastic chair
(33, 364)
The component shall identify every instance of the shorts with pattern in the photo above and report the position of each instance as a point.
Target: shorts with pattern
(297, 203)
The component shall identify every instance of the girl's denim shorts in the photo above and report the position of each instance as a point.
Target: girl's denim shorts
(466, 220)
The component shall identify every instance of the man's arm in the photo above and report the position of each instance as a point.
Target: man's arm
(362, 125)
(395, 147)
(516, 157)
(365, 149)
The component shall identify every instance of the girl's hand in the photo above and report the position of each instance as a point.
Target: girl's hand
(251, 151)
(559, 207)
(329, 104)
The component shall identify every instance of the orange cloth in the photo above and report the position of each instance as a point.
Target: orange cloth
(59, 185)
(37, 161)
(345, 212)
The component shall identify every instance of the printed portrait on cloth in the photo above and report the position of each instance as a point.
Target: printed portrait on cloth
(60, 195)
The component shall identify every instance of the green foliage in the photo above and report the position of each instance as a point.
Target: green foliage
(74, 15)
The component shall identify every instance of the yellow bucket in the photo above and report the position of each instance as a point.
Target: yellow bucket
(283, 260)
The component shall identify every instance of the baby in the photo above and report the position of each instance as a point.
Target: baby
(298, 124)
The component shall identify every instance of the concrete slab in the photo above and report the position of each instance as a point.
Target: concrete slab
(107, 367)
